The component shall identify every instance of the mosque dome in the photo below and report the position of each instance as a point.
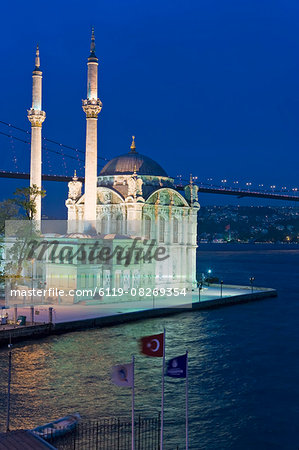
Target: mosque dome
(133, 161)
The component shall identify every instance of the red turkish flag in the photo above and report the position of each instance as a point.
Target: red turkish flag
(152, 345)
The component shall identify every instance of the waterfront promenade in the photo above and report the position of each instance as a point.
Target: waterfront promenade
(91, 313)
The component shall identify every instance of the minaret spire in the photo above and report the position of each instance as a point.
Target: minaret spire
(92, 44)
(37, 59)
(92, 107)
(36, 117)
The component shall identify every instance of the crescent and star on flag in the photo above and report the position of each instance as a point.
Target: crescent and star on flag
(152, 345)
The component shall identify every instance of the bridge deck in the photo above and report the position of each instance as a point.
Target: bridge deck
(240, 193)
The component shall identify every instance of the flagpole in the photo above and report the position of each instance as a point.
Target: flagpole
(162, 398)
(187, 425)
(8, 384)
(133, 402)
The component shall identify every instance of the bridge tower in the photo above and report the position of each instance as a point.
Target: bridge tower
(36, 117)
(92, 107)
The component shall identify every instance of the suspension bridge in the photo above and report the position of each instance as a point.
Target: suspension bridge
(206, 189)
(62, 151)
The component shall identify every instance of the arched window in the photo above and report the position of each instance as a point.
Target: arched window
(147, 227)
(104, 225)
(118, 224)
(162, 229)
(175, 230)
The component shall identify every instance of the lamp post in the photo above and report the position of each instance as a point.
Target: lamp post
(209, 273)
(221, 288)
(8, 385)
(251, 279)
(32, 264)
(44, 285)
(199, 285)
(32, 287)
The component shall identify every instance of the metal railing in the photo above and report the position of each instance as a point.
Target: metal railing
(110, 434)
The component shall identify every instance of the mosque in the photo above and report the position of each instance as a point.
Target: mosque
(132, 196)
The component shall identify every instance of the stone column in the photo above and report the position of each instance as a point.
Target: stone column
(92, 107)
(36, 117)
(134, 218)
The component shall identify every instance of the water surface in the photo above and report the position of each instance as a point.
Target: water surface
(244, 364)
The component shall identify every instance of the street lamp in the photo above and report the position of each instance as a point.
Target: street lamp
(251, 279)
(32, 287)
(209, 273)
(199, 285)
(221, 287)
(8, 385)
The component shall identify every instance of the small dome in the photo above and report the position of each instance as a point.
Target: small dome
(128, 163)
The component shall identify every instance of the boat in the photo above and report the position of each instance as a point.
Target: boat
(58, 427)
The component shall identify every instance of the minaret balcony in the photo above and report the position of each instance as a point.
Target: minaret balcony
(36, 117)
(92, 107)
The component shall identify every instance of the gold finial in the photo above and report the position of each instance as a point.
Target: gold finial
(133, 146)
(37, 60)
(191, 178)
(75, 178)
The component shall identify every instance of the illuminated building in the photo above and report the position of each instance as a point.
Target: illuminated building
(132, 197)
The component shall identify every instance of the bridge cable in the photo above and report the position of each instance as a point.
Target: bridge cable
(49, 150)
(50, 140)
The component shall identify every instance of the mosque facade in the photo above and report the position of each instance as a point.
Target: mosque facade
(131, 198)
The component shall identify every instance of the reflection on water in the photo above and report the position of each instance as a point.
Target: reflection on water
(243, 366)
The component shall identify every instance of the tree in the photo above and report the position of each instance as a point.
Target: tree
(19, 233)
(25, 198)
(8, 211)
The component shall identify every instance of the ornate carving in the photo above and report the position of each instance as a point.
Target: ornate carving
(139, 184)
(75, 188)
(92, 108)
(191, 193)
(107, 197)
(157, 203)
(131, 186)
(164, 197)
(134, 186)
(36, 117)
(171, 198)
(195, 193)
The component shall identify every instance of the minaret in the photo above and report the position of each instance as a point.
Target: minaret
(92, 107)
(36, 116)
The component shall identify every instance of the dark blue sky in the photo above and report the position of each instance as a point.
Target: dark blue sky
(206, 86)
